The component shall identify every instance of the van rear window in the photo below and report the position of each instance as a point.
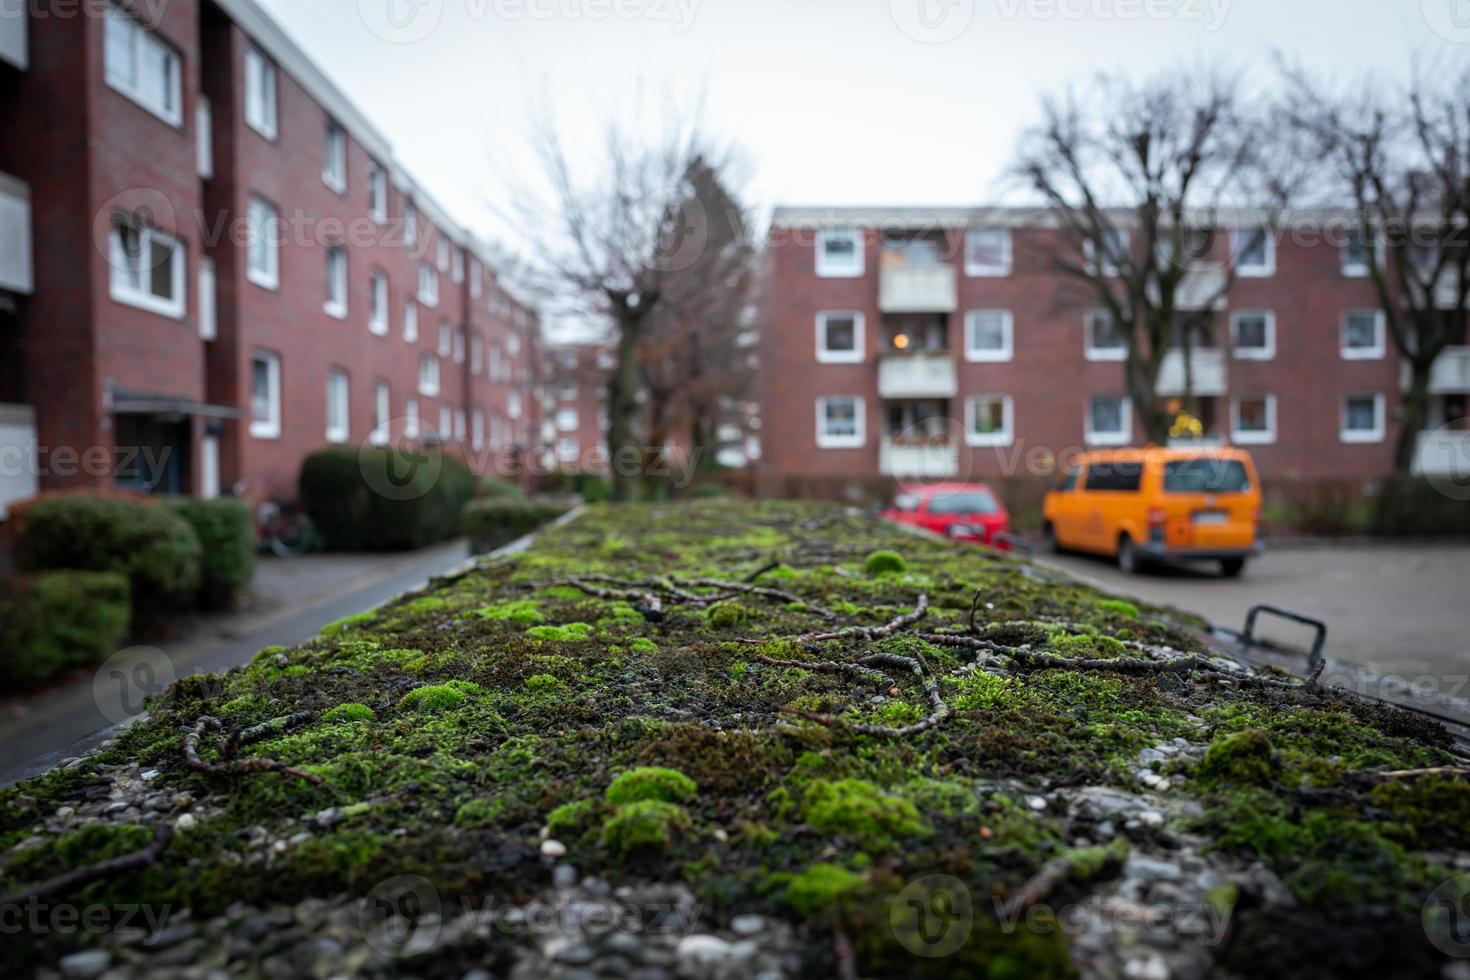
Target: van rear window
(1206, 476)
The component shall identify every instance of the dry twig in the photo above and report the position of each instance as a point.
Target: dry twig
(236, 766)
(78, 878)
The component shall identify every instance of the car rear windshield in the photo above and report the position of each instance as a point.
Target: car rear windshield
(1120, 477)
(963, 502)
(1206, 476)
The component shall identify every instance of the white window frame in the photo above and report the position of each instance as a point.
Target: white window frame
(979, 271)
(270, 426)
(1268, 266)
(825, 355)
(1244, 438)
(334, 157)
(1004, 437)
(262, 109)
(1350, 269)
(978, 355)
(410, 322)
(477, 352)
(445, 346)
(568, 420)
(382, 411)
(826, 440)
(513, 406)
(1119, 353)
(428, 375)
(208, 298)
(1109, 267)
(1380, 326)
(428, 285)
(335, 305)
(339, 402)
(829, 270)
(139, 40)
(446, 424)
(411, 421)
(1265, 353)
(378, 192)
(264, 218)
(1122, 438)
(204, 137)
(123, 291)
(378, 303)
(1362, 436)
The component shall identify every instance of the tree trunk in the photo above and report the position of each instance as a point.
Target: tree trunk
(625, 459)
(1142, 392)
(1415, 414)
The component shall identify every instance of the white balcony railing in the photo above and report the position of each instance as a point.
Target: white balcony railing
(918, 375)
(1208, 374)
(15, 234)
(1201, 288)
(1451, 372)
(1444, 453)
(917, 289)
(13, 34)
(918, 460)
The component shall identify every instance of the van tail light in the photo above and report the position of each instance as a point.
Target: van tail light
(1156, 517)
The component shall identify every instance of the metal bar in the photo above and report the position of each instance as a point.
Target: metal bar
(1249, 634)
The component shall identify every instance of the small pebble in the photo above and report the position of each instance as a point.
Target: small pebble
(553, 848)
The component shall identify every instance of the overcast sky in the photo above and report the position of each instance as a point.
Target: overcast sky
(830, 101)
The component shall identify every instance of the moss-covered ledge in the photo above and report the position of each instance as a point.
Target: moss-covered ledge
(789, 711)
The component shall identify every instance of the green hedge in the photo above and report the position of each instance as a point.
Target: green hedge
(226, 531)
(494, 488)
(1413, 506)
(384, 499)
(57, 620)
(491, 524)
(151, 545)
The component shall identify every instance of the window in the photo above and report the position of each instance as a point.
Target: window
(143, 68)
(1362, 418)
(963, 502)
(456, 264)
(477, 353)
(264, 250)
(260, 94)
(443, 255)
(477, 430)
(459, 347)
(513, 406)
(411, 422)
(1206, 476)
(428, 375)
(336, 303)
(839, 253)
(428, 285)
(446, 339)
(839, 338)
(337, 426)
(1115, 249)
(378, 316)
(378, 192)
(265, 395)
(988, 335)
(410, 224)
(568, 450)
(382, 411)
(567, 420)
(840, 422)
(1357, 254)
(477, 278)
(1123, 476)
(1253, 420)
(1363, 335)
(1253, 334)
(988, 252)
(567, 393)
(1255, 252)
(204, 138)
(1109, 420)
(208, 300)
(459, 425)
(1103, 340)
(147, 268)
(334, 159)
(446, 423)
(988, 420)
(410, 322)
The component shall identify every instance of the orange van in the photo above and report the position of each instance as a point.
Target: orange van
(1153, 504)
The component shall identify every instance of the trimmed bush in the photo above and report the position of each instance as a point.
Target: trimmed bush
(494, 488)
(226, 532)
(491, 524)
(1412, 506)
(62, 619)
(384, 499)
(149, 543)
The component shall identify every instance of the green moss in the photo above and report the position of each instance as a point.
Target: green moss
(547, 685)
(570, 633)
(651, 783)
(524, 611)
(861, 812)
(643, 645)
(340, 626)
(1119, 607)
(885, 563)
(646, 824)
(1243, 757)
(980, 691)
(727, 615)
(348, 712)
(479, 813)
(439, 697)
(823, 887)
(425, 604)
(571, 818)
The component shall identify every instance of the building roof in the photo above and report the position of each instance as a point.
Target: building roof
(899, 218)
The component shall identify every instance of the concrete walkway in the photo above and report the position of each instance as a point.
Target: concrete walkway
(291, 600)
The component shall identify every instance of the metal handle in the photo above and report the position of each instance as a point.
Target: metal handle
(1249, 636)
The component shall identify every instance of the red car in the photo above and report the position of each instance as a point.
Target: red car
(959, 511)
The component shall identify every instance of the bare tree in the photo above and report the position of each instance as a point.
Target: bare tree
(1142, 179)
(1404, 159)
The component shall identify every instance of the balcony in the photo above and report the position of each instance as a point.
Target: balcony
(13, 35)
(1208, 375)
(1451, 372)
(919, 375)
(1203, 287)
(918, 460)
(917, 288)
(15, 234)
(1443, 453)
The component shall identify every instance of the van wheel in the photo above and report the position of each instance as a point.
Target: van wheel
(1232, 567)
(1049, 540)
(1127, 556)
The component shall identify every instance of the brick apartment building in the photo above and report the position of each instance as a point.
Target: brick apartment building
(907, 343)
(211, 264)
